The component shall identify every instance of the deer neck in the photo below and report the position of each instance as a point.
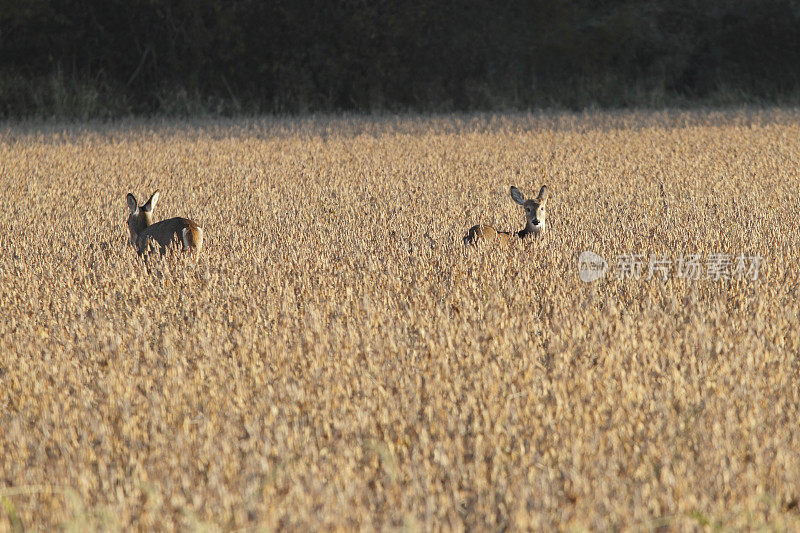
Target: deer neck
(530, 229)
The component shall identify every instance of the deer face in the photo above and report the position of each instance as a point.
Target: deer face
(535, 209)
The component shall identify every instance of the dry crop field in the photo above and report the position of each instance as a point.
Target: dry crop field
(336, 357)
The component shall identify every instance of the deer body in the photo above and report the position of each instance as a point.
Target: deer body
(535, 215)
(143, 231)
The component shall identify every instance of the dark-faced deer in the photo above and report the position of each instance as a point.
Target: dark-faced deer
(144, 231)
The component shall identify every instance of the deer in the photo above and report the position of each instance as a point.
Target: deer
(144, 232)
(535, 216)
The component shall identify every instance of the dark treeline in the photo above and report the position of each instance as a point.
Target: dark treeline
(111, 57)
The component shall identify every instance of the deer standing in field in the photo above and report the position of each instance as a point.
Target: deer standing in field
(143, 231)
(534, 221)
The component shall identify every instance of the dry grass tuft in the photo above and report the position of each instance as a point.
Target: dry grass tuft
(336, 358)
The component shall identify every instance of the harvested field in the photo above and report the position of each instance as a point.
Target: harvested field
(336, 357)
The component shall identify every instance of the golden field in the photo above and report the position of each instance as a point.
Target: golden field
(337, 359)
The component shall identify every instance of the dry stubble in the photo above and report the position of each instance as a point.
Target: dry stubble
(337, 358)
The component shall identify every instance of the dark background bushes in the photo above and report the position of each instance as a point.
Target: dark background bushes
(101, 58)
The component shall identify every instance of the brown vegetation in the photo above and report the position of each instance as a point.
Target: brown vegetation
(338, 357)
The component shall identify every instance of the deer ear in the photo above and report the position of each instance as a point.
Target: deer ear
(132, 204)
(543, 193)
(151, 203)
(517, 196)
